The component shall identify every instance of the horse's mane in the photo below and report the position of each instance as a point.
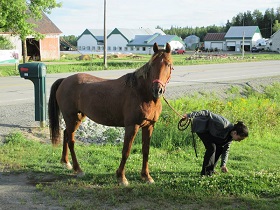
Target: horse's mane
(131, 78)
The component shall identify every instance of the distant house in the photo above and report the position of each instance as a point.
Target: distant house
(192, 42)
(143, 44)
(91, 40)
(234, 37)
(121, 40)
(274, 43)
(44, 49)
(215, 41)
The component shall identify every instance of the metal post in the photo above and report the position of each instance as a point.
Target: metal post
(243, 44)
(40, 100)
(105, 37)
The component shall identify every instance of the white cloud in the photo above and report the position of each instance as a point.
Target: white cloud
(76, 16)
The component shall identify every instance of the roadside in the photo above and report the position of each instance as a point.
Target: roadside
(18, 191)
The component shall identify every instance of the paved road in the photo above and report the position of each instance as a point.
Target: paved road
(16, 90)
(17, 94)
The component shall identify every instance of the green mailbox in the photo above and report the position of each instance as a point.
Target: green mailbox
(36, 72)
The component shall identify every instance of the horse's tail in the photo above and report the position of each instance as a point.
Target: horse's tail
(54, 112)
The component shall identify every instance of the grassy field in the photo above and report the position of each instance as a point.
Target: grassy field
(71, 63)
(253, 181)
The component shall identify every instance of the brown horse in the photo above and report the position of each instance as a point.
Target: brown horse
(131, 101)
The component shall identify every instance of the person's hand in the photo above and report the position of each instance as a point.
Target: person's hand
(224, 169)
(185, 117)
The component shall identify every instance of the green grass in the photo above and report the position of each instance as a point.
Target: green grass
(253, 181)
(71, 63)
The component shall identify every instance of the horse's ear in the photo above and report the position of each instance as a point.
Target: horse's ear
(168, 48)
(155, 47)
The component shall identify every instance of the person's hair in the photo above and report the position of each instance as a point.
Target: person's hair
(241, 129)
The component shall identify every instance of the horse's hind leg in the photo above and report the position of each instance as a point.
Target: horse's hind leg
(71, 126)
(64, 159)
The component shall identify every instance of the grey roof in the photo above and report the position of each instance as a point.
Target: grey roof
(192, 39)
(237, 31)
(130, 34)
(149, 40)
(277, 32)
(98, 32)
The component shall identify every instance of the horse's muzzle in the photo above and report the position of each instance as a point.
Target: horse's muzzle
(157, 89)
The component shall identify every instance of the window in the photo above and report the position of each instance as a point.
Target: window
(120, 48)
(114, 48)
(88, 47)
(144, 48)
(93, 48)
(125, 48)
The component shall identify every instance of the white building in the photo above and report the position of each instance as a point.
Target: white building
(234, 37)
(274, 43)
(121, 40)
(91, 40)
(215, 41)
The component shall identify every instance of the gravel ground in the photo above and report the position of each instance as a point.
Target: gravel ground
(17, 191)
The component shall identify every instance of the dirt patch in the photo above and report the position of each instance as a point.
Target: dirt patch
(17, 191)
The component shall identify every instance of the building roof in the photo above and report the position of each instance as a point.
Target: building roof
(237, 31)
(98, 34)
(149, 40)
(129, 34)
(275, 34)
(214, 37)
(192, 39)
(42, 26)
(45, 25)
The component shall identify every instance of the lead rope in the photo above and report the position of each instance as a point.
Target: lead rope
(183, 125)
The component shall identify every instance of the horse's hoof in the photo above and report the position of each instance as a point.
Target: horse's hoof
(123, 182)
(67, 165)
(80, 174)
(149, 180)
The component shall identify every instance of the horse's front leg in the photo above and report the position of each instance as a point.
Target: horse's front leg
(146, 138)
(130, 133)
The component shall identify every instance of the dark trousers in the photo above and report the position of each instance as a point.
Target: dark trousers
(212, 153)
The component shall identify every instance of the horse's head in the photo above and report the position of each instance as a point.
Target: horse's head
(160, 69)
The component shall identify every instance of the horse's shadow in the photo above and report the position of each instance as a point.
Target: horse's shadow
(35, 177)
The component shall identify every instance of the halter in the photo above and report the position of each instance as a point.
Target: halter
(167, 81)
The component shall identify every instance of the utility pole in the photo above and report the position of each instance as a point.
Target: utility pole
(243, 43)
(243, 39)
(105, 38)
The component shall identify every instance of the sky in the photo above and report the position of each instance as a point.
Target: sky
(74, 17)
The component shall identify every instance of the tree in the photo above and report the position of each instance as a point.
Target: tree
(15, 16)
(5, 44)
(276, 26)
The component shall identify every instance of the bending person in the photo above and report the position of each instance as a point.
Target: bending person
(216, 133)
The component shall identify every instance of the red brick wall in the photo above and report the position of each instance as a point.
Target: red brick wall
(49, 48)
